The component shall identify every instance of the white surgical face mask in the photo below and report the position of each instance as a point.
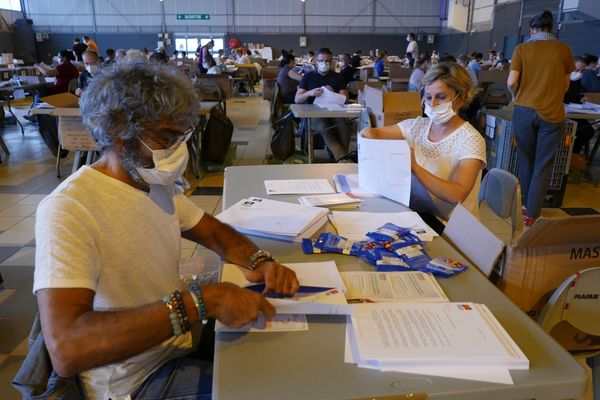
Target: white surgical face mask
(576, 75)
(342, 64)
(169, 165)
(323, 67)
(441, 113)
(92, 69)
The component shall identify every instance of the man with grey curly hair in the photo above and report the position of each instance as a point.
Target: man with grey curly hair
(112, 307)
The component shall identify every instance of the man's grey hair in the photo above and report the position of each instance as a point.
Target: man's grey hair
(127, 99)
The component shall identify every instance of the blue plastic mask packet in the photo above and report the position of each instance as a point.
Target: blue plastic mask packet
(414, 256)
(388, 232)
(444, 267)
(308, 247)
(390, 262)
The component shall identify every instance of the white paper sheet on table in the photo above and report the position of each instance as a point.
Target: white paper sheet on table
(384, 168)
(329, 97)
(354, 225)
(487, 374)
(271, 218)
(279, 323)
(298, 186)
(322, 274)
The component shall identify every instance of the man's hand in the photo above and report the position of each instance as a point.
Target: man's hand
(78, 92)
(278, 278)
(234, 306)
(316, 92)
(330, 88)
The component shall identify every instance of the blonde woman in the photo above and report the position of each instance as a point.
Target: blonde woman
(447, 153)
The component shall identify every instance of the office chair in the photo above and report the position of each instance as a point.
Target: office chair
(502, 193)
(576, 304)
(208, 89)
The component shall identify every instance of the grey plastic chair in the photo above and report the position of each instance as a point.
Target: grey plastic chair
(502, 192)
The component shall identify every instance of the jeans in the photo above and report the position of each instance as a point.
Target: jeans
(336, 134)
(184, 378)
(537, 143)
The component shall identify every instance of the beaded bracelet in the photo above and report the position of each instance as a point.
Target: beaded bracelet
(196, 293)
(173, 317)
(177, 313)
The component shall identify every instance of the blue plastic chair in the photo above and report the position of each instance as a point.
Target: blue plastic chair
(502, 193)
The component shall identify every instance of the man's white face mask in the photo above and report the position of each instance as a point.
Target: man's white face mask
(576, 75)
(323, 66)
(169, 166)
(92, 69)
(441, 113)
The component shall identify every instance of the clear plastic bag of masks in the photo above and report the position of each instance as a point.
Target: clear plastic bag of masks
(202, 269)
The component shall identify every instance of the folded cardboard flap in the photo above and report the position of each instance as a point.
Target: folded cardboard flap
(561, 231)
(473, 239)
(62, 100)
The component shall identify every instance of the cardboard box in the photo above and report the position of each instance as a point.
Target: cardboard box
(391, 107)
(62, 100)
(547, 254)
(537, 262)
(399, 71)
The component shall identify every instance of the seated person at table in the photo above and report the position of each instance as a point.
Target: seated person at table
(409, 60)
(380, 63)
(288, 78)
(92, 69)
(213, 68)
(64, 73)
(110, 58)
(120, 56)
(335, 131)
(356, 59)
(242, 57)
(415, 82)
(112, 307)
(447, 153)
(346, 68)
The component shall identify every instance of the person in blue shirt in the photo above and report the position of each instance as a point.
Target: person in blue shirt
(335, 131)
(474, 65)
(379, 64)
(589, 80)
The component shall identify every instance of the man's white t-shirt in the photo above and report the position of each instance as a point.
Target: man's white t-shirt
(99, 233)
(442, 158)
(413, 48)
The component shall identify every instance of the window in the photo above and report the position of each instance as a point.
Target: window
(191, 44)
(14, 5)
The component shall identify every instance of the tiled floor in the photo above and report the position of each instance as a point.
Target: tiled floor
(28, 175)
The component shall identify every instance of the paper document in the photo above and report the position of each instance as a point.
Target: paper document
(279, 323)
(348, 183)
(354, 225)
(409, 286)
(336, 200)
(329, 97)
(483, 374)
(298, 186)
(384, 168)
(274, 219)
(324, 274)
(396, 335)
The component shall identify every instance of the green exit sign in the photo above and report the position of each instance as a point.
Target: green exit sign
(193, 17)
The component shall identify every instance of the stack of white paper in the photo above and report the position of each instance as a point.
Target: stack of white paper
(462, 340)
(337, 200)
(274, 219)
(354, 225)
(298, 186)
(405, 286)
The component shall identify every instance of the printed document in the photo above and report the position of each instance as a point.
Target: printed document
(298, 186)
(330, 301)
(433, 334)
(406, 286)
(354, 225)
(384, 168)
(336, 200)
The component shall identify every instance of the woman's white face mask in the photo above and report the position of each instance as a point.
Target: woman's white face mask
(441, 113)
